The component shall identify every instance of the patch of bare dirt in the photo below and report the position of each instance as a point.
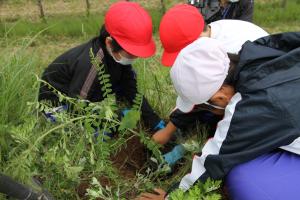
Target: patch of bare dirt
(129, 160)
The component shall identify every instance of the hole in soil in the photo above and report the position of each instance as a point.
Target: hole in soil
(129, 160)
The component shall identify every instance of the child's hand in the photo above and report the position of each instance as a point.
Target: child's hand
(160, 195)
(163, 135)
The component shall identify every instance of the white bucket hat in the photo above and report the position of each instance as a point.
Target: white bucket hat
(199, 72)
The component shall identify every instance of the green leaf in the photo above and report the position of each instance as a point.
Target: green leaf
(73, 172)
(213, 197)
(130, 120)
(177, 195)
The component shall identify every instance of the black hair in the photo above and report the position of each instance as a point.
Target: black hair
(205, 27)
(104, 34)
(234, 60)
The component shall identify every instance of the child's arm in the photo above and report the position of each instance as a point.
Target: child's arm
(163, 135)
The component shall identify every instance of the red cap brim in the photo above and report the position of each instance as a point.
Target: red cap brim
(143, 51)
(168, 59)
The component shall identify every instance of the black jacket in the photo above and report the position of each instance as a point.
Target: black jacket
(68, 72)
(241, 10)
(264, 113)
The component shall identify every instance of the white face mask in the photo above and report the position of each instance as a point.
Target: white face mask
(123, 60)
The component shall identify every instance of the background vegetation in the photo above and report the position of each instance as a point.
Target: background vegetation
(64, 156)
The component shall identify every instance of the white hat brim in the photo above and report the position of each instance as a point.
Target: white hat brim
(184, 105)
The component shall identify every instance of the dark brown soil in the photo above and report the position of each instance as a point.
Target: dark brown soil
(84, 185)
(81, 189)
(129, 160)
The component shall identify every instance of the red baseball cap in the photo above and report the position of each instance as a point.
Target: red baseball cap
(131, 26)
(180, 26)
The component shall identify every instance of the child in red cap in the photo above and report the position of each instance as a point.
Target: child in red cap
(125, 36)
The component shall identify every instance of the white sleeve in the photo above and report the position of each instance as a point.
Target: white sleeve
(212, 147)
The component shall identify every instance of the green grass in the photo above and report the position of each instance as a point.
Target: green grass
(17, 77)
(277, 19)
(62, 26)
(57, 26)
(17, 87)
(155, 81)
(268, 15)
(22, 56)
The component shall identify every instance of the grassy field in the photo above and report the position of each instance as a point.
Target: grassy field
(59, 154)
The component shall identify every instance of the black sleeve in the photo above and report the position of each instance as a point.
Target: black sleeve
(245, 11)
(14, 189)
(129, 87)
(66, 73)
(56, 74)
(185, 121)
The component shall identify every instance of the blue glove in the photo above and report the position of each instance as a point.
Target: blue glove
(50, 116)
(96, 134)
(161, 124)
(125, 111)
(173, 156)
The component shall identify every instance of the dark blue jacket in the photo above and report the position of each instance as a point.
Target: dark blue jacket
(263, 115)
